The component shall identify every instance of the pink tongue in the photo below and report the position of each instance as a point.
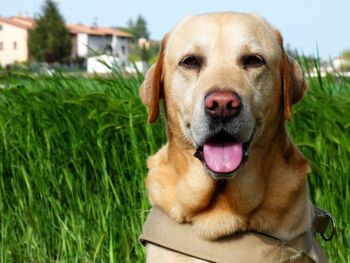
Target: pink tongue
(224, 157)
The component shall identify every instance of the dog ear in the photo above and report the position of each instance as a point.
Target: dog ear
(293, 82)
(152, 87)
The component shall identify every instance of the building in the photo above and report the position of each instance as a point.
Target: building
(338, 66)
(86, 40)
(14, 39)
(90, 41)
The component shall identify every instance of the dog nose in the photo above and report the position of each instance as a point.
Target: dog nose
(222, 104)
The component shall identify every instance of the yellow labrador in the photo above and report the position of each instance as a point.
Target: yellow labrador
(229, 165)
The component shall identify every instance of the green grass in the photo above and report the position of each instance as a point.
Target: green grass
(72, 165)
(321, 128)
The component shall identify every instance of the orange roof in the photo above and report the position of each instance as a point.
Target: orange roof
(24, 20)
(28, 23)
(18, 23)
(97, 31)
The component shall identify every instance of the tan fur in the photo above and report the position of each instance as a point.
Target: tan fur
(268, 193)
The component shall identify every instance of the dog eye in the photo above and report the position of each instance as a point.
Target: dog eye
(253, 61)
(191, 62)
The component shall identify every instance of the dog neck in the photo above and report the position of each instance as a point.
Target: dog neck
(267, 193)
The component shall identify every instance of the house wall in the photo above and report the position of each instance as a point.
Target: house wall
(74, 50)
(98, 44)
(82, 45)
(120, 48)
(90, 45)
(103, 64)
(14, 44)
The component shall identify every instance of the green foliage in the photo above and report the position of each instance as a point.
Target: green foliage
(73, 160)
(153, 52)
(320, 127)
(141, 53)
(138, 28)
(345, 55)
(307, 62)
(50, 41)
(144, 54)
(72, 168)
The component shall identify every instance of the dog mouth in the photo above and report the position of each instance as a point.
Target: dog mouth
(222, 154)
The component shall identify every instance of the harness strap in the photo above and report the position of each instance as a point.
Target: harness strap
(163, 231)
(321, 222)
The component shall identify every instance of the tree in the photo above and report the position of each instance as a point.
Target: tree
(345, 55)
(50, 41)
(139, 28)
(144, 54)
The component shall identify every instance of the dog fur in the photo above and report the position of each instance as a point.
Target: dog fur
(268, 193)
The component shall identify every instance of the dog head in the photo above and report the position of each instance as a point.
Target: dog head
(227, 86)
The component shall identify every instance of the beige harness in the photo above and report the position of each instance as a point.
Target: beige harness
(163, 231)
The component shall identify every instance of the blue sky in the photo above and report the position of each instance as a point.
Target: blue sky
(305, 24)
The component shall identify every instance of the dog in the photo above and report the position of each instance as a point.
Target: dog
(228, 166)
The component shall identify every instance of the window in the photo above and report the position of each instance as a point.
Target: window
(108, 49)
(15, 45)
(123, 50)
(1, 46)
(0, 27)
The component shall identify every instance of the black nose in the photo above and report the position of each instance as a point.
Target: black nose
(222, 104)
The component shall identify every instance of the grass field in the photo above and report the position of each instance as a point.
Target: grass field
(72, 165)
